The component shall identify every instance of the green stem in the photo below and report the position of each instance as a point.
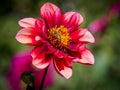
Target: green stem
(43, 79)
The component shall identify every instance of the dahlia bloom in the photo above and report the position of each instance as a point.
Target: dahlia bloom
(57, 38)
(22, 62)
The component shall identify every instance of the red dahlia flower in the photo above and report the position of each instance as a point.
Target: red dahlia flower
(57, 39)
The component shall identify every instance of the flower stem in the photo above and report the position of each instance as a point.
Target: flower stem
(43, 79)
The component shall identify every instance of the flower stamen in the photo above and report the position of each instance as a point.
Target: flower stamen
(59, 37)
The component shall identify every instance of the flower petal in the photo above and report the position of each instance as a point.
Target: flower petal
(51, 49)
(73, 46)
(50, 13)
(74, 50)
(41, 28)
(86, 57)
(87, 37)
(77, 34)
(63, 67)
(72, 20)
(60, 54)
(27, 22)
(40, 59)
(50, 7)
(29, 36)
(57, 17)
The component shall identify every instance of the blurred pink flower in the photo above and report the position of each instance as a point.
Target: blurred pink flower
(115, 8)
(98, 25)
(101, 24)
(22, 62)
(56, 38)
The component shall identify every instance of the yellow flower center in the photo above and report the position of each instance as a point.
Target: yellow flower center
(59, 37)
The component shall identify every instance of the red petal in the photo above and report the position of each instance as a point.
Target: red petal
(50, 13)
(75, 50)
(50, 7)
(41, 28)
(86, 57)
(87, 37)
(77, 34)
(48, 18)
(60, 54)
(72, 20)
(51, 49)
(38, 50)
(57, 18)
(74, 46)
(63, 67)
(28, 36)
(40, 59)
(27, 22)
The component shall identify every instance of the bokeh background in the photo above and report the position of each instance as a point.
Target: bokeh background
(103, 75)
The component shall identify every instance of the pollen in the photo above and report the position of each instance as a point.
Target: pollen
(59, 37)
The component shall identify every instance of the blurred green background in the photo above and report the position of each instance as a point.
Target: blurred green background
(103, 75)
